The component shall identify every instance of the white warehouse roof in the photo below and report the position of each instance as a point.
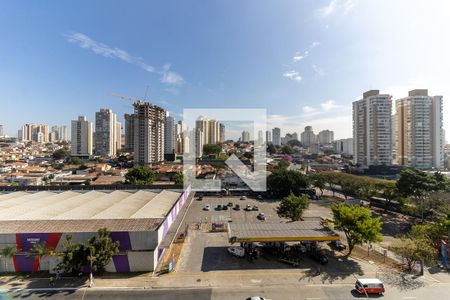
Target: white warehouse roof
(86, 205)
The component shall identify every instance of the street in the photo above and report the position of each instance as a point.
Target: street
(297, 292)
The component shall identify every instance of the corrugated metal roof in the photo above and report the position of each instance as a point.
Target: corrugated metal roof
(82, 205)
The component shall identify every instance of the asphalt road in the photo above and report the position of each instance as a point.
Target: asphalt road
(308, 292)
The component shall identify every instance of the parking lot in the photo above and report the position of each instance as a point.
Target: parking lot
(206, 251)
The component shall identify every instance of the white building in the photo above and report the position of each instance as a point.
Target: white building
(420, 136)
(105, 133)
(325, 137)
(268, 136)
(344, 146)
(210, 129)
(245, 136)
(81, 140)
(276, 136)
(372, 133)
(308, 137)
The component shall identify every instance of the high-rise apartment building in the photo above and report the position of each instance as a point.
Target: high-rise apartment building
(182, 138)
(62, 133)
(325, 137)
(245, 136)
(38, 133)
(420, 136)
(129, 132)
(372, 133)
(221, 133)
(105, 133)
(344, 146)
(118, 133)
(276, 136)
(268, 136)
(308, 137)
(210, 129)
(149, 121)
(169, 135)
(81, 133)
(260, 139)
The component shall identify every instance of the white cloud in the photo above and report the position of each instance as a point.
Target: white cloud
(314, 45)
(336, 6)
(329, 105)
(318, 70)
(309, 109)
(293, 75)
(297, 57)
(168, 77)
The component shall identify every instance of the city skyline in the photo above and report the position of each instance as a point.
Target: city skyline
(310, 45)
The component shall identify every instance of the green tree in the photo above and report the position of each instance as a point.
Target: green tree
(7, 252)
(271, 149)
(103, 248)
(140, 175)
(60, 154)
(73, 160)
(414, 251)
(357, 224)
(292, 207)
(209, 149)
(282, 183)
(283, 164)
(416, 184)
(74, 256)
(387, 189)
(40, 251)
(318, 180)
(287, 149)
(179, 178)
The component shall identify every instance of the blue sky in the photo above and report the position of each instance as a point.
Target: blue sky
(304, 61)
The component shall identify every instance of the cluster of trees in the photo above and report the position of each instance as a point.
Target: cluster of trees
(422, 245)
(140, 175)
(282, 182)
(211, 149)
(96, 253)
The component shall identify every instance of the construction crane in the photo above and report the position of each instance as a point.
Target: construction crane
(123, 97)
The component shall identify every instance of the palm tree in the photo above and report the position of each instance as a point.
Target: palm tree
(8, 252)
(40, 250)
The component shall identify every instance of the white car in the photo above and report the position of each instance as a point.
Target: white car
(243, 197)
(256, 298)
(236, 251)
(207, 207)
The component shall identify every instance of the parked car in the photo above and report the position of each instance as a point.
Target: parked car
(300, 248)
(237, 207)
(369, 286)
(230, 204)
(261, 216)
(200, 198)
(219, 207)
(256, 298)
(224, 207)
(207, 207)
(248, 207)
(319, 256)
(236, 251)
(255, 208)
(338, 245)
(243, 198)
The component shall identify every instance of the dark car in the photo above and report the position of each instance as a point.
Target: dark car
(237, 207)
(255, 208)
(200, 198)
(319, 256)
(230, 204)
(224, 207)
(338, 245)
(219, 207)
